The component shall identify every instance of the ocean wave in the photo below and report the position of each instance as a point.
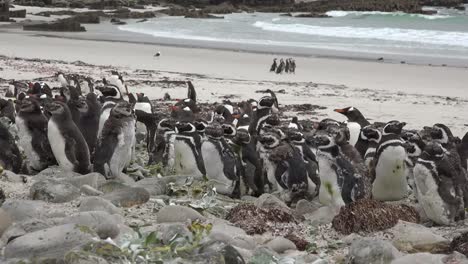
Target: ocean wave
(392, 34)
(339, 13)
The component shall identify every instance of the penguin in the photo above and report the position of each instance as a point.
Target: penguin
(67, 142)
(261, 114)
(90, 110)
(114, 148)
(184, 152)
(220, 161)
(293, 66)
(32, 132)
(145, 115)
(390, 169)
(280, 67)
(356, 121)
(266, 142)
(288, 66)
(373, 136)
(438, 190)
(273, 66)
(110, 96)
(10, 156)
(62, 80)
(414, 147)
(76, 104)
(463, 151)
(340, 184)
(7, 109)
(164, 131)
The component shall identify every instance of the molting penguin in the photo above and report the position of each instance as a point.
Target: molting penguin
(67, 142)
(390, 171)
(32, 132)
(114, 148)
(184, 147)
(10, 156)
(438, 191)
(221, 163)
(89, 120)
(356, 121)
(414, 147)
(339, 183)
(164, 131)
(110, 96)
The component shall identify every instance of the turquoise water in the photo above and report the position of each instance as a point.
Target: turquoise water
(442, 35)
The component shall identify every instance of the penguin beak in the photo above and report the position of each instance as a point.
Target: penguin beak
(341, 111)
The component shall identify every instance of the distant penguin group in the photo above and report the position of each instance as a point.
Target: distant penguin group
(286, 66)
(245, 148)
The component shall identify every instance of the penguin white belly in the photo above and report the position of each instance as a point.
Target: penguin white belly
(329, 192)
(354, 131)
(369, 156)
(145, 107)
(185, 161)
(215, 169)
(102, 119)
(25, 140)
(390, 182)
(57, 143)
(123, 151)
(428, 196)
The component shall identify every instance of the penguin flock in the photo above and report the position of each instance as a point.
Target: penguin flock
(286, 66)
(244, 148)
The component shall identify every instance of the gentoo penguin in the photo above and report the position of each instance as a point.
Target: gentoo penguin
(220, 160)
(90, 111)
(339, 183)
(10, 156)
(184, 153)
(273, 66)
(114, 148)
(32, 132)
(7, 109)
(438, 191)
(67, 142)
(390, 171)
(356, 121)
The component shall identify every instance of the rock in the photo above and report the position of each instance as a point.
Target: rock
(128, 197)
(420, 258)
(54, 191)
(5, 221)
(369, 250)
(264, 255)
(55, 172)
(460, 244)
(14, 231)
(62, 25)
(280, 244)
(88, 190)
(93, 253)
(116, 21)
(34, 224)
(242, 241)
(313, 14)
(52, 243)
(177, 213)
(322, 216)
(371, 215)
(305, 207)
(80, 257)
(153, 185)
(20, 210)
(90, 179)
(167, 231)
(455, 258)
(98, 204)
(110, 186)
(13, 177)
(104, 224)
(268, 201)
(410, 237)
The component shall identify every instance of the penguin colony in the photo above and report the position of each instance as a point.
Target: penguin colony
(241, 148)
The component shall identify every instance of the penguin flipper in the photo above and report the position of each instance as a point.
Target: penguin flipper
(103, 152)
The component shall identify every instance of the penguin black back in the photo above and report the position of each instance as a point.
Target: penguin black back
(10, 156)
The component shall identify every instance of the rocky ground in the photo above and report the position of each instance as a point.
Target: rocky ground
(58, 217)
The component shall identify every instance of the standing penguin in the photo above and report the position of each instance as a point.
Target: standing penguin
(373, 136)
(273, 66)
(220, 161)
(280, 67)
(90, 110)
(438, 190)
(390, 171)
(7, 109)
(32, 131)
(10, 156)
(67, 142)
(114, 148)
(356, 121)
(110, 96)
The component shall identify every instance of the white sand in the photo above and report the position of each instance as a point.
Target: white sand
(411, 93)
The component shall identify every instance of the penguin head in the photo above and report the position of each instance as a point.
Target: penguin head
(229, 129)
(110, 91)
(214, 130)
(324, 124)
(413, 142)
(371, 133)
(441, 133)
(295, 136)
(323, 141)
(200, 125)
(242, 136)
(393, 127)
(266, 102)
(352, 113)
(433, 151)
(270, 139)
(56, 108)
(342, 134)
(166, 124)
(29, 105)
(122, 109)
(81, 104)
